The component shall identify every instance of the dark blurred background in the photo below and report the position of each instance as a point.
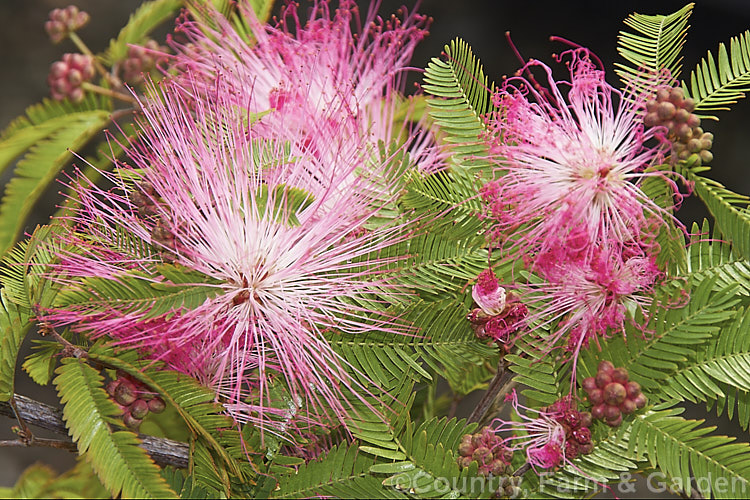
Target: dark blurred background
(26, 54)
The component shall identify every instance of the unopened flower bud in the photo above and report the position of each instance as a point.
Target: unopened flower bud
(676, 96)
(605, 367)
(589, 384)
(627, 406)
(633, 389)
(125, 393)
(586, 419)
(597, 411)
(66, 76)
(662, 94)
(682, 116)
(156, 405)
(112, 386)
(482, 455)
(651, 120)
(666, 110)
(620, 375)
(131, 422)
(640, 401)
(488, 294)
(63, 22)
(139, 408)
(611, 412)
(602, 379)
(596, 396)
(614, 422)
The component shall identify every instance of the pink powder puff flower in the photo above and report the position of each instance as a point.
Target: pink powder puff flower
(542, 438)
(322, 68)
(572, 162)
(590, 296)
(285, 255)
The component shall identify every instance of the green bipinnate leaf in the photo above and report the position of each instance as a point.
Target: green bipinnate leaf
(14, 325)
(465, 97)
(730, 209)
(654, 46)
(41, 165)
(147, 17)
(715, 86)
(114, 455)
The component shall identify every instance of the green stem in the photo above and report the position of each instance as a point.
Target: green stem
(85, 50)
(109, 93)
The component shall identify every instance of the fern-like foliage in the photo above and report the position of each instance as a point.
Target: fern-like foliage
(40, 364)
(40, 481)
(344, 469)
(542, 374)
(714, 87)
(41, 116)
(654, 45)
(147, 17)
(708, 255)
(24, 290)
(453, 192)
(114, 455)
(14, 325)
(139, 293)
(219, 451)
(683, 448)
(729, 209)
(670, 338)
(185, 486)
(41, 165)
(722, 367)
(466, 96)
(430, 466)
(393, 461)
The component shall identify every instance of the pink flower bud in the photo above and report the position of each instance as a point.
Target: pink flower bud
(488, 294)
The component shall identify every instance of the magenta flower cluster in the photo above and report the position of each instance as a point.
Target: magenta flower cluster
(258, 167)
(567, 200)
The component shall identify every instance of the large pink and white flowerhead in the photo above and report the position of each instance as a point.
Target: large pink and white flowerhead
(333, 66)
(248, 234)
(571, 157)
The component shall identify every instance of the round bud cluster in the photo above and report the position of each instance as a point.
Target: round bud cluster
(141, 60)
(134, 399)
(63, 22)
(499, 327)
(66, 76)
(612, 394)
(510, 487)
(486, 448)
(669, 108)
(577, 427)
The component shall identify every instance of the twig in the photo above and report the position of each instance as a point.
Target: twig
(109, 93)
(24, 432)
(69, 349)
(492, 391)
(522, 470)
(35, 441)
(163, 451)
